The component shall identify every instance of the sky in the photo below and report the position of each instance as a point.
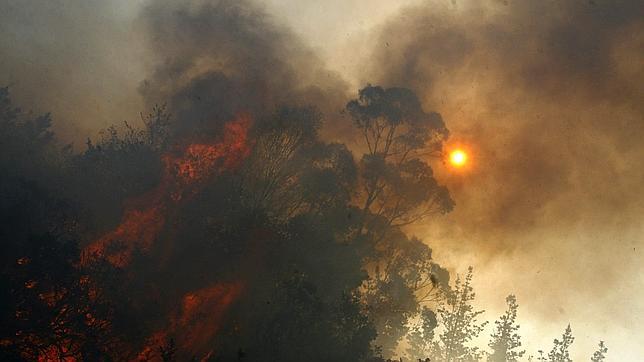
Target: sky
(546, 97)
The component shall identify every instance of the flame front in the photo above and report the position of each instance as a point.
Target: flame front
(186, 172)
(183, 177)
(197, 322)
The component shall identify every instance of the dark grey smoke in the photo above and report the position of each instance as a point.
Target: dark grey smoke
(217, 58)
(97, 63)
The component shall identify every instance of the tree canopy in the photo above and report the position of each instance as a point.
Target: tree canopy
(258, 241)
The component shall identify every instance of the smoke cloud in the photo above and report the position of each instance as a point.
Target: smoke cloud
(93, 64)
(546, 95)
(551, 101)
(548, 98)
(217, 58)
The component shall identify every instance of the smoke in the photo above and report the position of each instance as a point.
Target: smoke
(97, 63)
(216, 58)
(547, 95)
(78, 60)
(551, 104)
(552, 101)
(209, 61)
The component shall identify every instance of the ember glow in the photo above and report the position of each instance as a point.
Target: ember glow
(186, 171)
(184, 175)
(300, 180)
(196, 322)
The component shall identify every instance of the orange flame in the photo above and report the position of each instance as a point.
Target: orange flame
(197, 322)
(201, 161)
(202, 313)
(183, 177)
(54, 353)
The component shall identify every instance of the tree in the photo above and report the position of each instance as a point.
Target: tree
(459, 321)
(390, 304)
(421, 335)
(506, 339)
(405, 279)
(50, 308)
(282, 226)
(291, 172)
(559, 352)
(600, 354)
(396, 187)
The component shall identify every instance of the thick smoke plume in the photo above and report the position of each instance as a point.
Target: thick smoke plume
(547, 95)
(214, 59)
(232, 242)
(551, 102)
(96, 63)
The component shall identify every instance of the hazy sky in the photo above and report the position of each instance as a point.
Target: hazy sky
(548, 98)
(546, 95)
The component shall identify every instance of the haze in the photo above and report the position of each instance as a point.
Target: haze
(547, 96)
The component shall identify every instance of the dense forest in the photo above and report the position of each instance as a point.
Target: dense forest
(251, 239)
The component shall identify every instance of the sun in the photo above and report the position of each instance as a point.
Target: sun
(458, 158)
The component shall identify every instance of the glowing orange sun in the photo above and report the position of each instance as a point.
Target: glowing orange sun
(458, 158)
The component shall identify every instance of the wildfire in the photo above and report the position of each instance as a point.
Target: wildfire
(199, 162)
(202, 313)
(184, 175)
(197, 322)
(54, 353)
(139, 228)
(186, 171)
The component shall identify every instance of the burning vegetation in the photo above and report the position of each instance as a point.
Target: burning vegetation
(250, 244)
(265, 243)
(182, 177)
(226, 228)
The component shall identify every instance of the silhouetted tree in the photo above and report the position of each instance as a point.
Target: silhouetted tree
(396, 188)
(314, 240)
(600, 353)
(50, 308)
(274, 170)
(397, 185)
(506, 339)
(458, 319)
(421, 335)
(559, 351)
